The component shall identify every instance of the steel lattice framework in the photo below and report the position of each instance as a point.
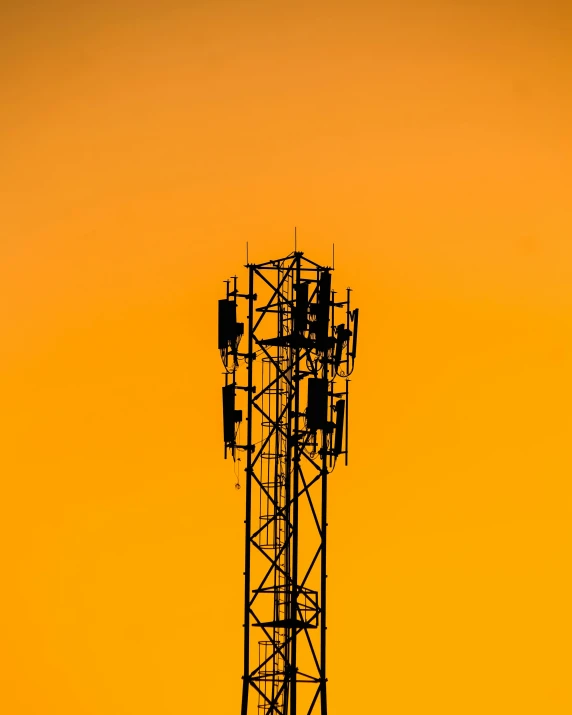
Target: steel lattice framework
(296, 429)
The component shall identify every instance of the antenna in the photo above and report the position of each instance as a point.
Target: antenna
(247, 253)
(295, 241)
(333, 256)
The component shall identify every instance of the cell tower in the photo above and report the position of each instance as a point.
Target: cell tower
(298, 360)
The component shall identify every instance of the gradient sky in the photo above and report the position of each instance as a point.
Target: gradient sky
(142, 144)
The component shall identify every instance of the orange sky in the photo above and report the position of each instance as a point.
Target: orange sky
(142, 144)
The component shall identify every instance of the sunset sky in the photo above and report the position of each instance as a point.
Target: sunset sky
(142, 144)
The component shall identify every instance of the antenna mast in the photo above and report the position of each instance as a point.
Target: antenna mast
(298, 362)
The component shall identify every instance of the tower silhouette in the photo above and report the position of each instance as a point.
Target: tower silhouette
(297, 361)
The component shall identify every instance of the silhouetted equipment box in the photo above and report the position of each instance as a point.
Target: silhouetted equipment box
(230, 416)
(317, 410)
(325, 288)
(342, 335)
(339, 430)
(301, 308)
(355, 316)
(322, 310)
(228, 329)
